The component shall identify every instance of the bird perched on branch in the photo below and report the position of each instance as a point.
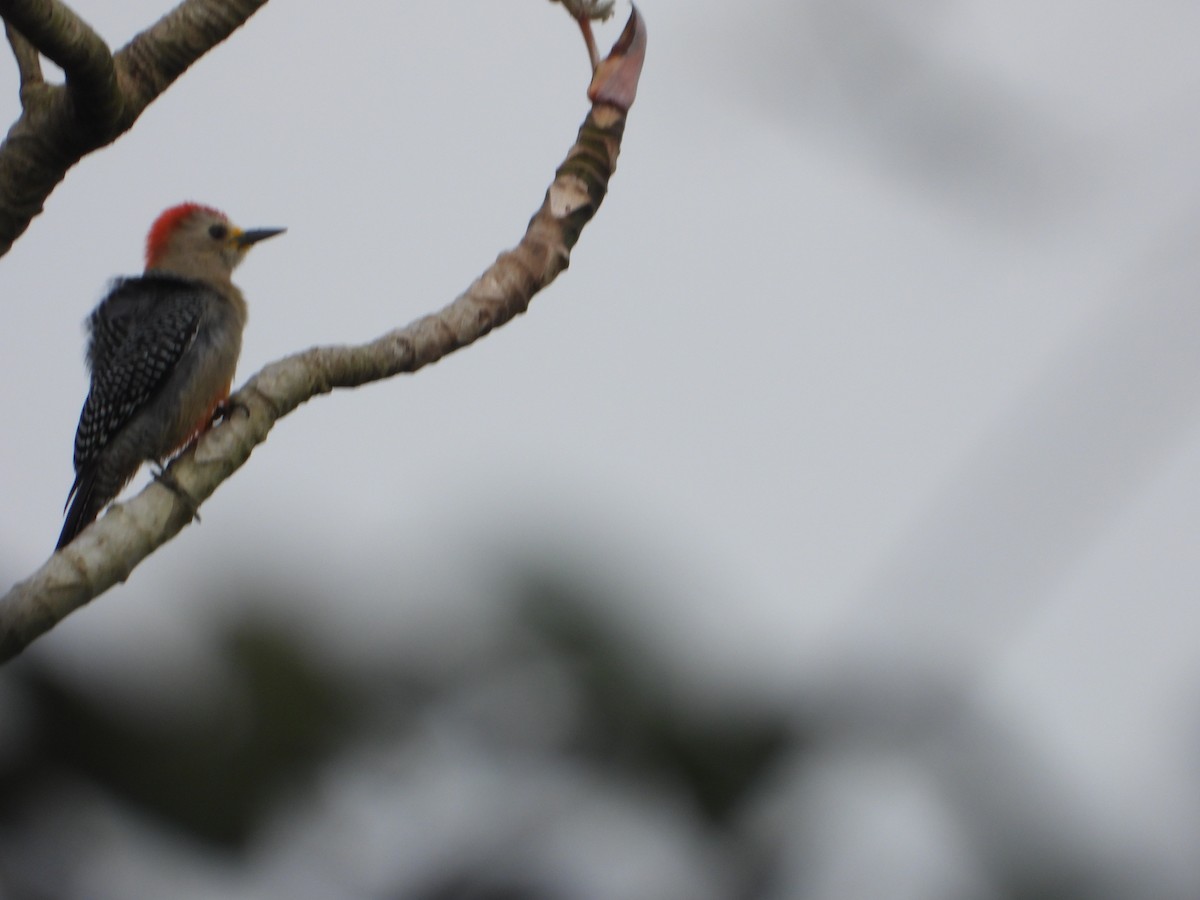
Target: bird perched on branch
(162, 351)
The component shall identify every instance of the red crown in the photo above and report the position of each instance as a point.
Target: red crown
(164, 226)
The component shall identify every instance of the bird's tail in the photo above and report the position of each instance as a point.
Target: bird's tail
(83, 507)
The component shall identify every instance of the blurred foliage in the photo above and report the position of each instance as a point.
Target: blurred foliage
(633, 720)
(749, 780)
(212, 775)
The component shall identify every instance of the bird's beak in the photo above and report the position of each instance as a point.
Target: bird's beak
(253, 236)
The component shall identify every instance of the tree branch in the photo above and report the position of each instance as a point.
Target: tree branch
(107, 551)
(149, 63)
(69, 42)
(104, 95)
(29, 63)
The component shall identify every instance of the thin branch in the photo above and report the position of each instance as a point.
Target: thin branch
(585, 25)
(66, 40)
(583, 12)
(29, 63)
(107, 551)
(105, 94)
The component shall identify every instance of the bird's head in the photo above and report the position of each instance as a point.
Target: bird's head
(198, 241)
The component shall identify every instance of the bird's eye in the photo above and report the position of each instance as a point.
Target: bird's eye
(218, 232)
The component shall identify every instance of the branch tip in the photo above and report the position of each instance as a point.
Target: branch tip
(615, 80)
(600, 10)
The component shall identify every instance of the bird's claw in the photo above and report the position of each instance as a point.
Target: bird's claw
(167, 480)
(226, 410)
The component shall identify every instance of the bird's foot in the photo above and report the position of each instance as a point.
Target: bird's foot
(226, 409)
(167, 480)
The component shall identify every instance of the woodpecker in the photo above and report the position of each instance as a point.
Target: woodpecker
(162, 350)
